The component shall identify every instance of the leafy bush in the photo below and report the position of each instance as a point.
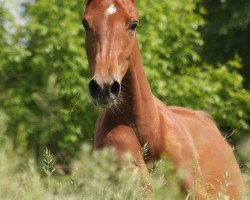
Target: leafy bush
(178, 76)
(226, 33)
(94, 176)
(44, 80)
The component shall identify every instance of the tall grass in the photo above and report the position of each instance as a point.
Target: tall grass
(92, 176)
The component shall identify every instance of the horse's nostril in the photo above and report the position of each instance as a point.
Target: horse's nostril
(94, 88)
(115, 88)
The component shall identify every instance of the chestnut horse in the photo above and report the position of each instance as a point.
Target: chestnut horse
(133, 116)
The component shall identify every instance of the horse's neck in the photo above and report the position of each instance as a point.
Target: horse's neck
(145, 115)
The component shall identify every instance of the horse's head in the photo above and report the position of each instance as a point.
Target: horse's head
(110, 36)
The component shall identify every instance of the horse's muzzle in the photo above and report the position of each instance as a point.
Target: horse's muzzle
(106, 94)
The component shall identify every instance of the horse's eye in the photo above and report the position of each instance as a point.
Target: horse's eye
(85, 24)
(133, 25)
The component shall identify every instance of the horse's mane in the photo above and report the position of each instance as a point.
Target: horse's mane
(87, 2)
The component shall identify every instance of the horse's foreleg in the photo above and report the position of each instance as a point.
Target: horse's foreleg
(182, 152)
(124, 140)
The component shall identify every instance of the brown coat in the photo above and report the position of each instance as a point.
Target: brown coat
(189, 138)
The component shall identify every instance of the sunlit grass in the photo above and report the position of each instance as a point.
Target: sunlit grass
(92, 176)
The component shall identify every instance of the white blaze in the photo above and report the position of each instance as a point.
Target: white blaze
(111, 10)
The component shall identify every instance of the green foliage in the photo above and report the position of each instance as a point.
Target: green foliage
(217, 91)
(168, 35)
(94, 176)
(44, 80)
(227, 32)
(44, 74)
(178, 76)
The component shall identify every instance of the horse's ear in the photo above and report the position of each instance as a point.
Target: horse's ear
(133, 1)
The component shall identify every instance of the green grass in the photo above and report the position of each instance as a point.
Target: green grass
(93, 176)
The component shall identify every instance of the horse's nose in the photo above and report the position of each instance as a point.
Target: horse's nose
(105, 92)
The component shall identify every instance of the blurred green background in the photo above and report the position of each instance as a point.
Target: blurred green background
(196, 54)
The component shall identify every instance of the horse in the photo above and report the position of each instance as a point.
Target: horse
(133, 117)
